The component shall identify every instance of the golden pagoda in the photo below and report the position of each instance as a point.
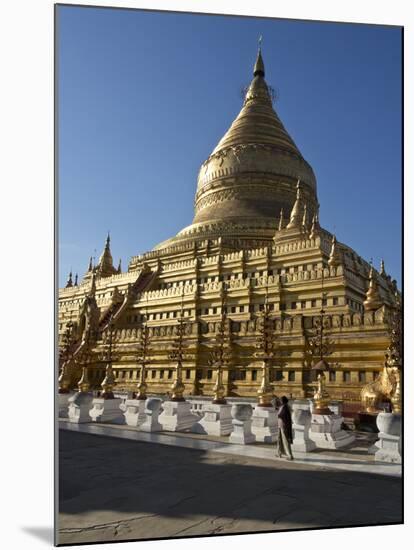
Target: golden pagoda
(256, 232)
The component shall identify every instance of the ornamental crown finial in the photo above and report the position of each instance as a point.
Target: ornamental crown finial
(259, 69)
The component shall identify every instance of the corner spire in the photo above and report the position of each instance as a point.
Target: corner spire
(296, 210)
(281, 220)
(373, 298)
(335, 255)
(259, 69)
(305, 221)
(93, 285)
(69, 282)
(105, 266)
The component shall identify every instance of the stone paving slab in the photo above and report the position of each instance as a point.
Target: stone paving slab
(355, 458)
(115, 489)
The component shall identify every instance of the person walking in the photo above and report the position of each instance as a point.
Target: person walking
(285, 436)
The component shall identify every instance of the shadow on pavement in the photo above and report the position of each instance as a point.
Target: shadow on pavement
(121, 479)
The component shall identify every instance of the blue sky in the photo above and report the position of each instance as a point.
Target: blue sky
(144, 97)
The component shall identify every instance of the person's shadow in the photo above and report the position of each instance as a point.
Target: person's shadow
(43, 533)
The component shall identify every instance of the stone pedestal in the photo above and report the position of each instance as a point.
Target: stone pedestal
(326, 432)
(79, 406)
(373, 448)
(106, 410)
(242, 424)
(152, 411)
(177, 416)
(216, 420)
(264, 424)
(134, 412)
(301, 405)
(308, 405)
(63, 403)
(301, 423)
(389, 443)
(336, 407)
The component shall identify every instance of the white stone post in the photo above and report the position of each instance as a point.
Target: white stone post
(302, 405)
(134, 411)
(389, 443)
(64, 404)
(216, 420)
(177, 416)
(327, 433)
(79, 406)
(152, 411)
(106, 410)
(301, 422)
(242, 423)
(264, 424)
(336, 407)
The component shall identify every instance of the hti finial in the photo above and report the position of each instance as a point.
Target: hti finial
(371, 269)
(259, 69)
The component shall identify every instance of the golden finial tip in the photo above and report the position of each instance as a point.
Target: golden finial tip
(259, 69)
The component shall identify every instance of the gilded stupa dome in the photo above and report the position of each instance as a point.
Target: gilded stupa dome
(251, 174)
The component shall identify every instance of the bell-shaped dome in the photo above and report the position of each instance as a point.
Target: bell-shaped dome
(251, 174)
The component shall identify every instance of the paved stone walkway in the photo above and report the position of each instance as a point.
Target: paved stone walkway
(113, 490)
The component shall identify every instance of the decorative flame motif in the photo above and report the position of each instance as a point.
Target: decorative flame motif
(108, 356)
(65, 356)
(265, 347)
(320, 346)
(177, 354)
(143, 359)
(221, 354)
(394, 359)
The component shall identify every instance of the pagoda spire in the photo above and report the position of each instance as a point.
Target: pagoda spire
(119, 266)
(69, 282)
(259, 69)
(312, 234)
(382, 269)
(90, 266)
(335, 255)
(76, 280)
(305, 221)
(373, 299)
(315, 224)
(296, 210)
(281, 220)
(105, 267)
(93, 285)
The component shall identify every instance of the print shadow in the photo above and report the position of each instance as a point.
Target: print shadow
(134, 480)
